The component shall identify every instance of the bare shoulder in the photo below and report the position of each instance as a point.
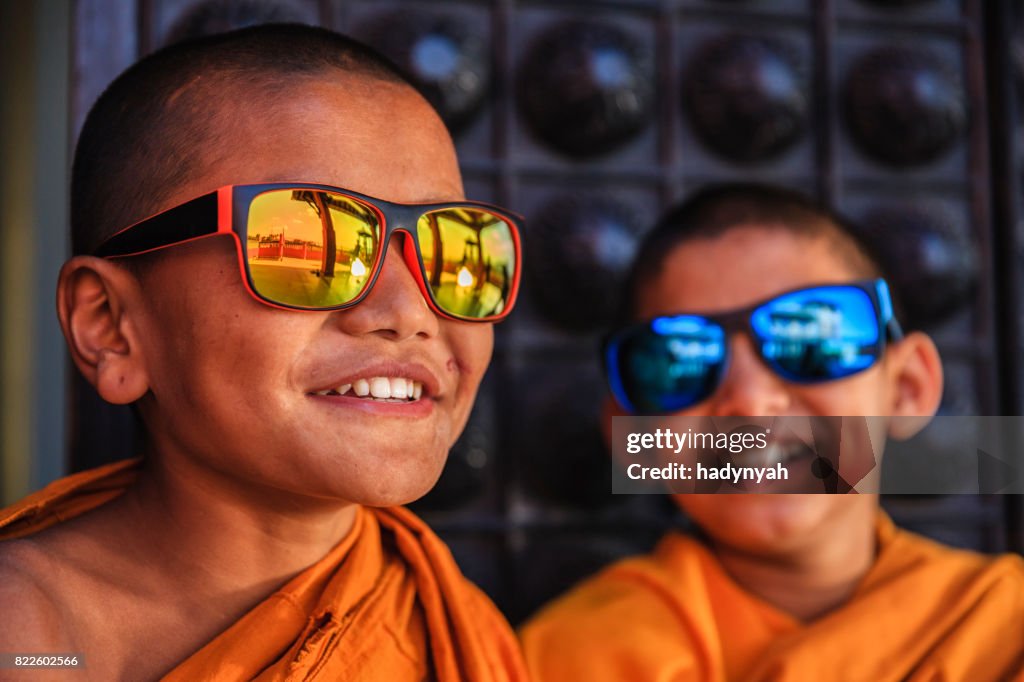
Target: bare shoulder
(33, 618)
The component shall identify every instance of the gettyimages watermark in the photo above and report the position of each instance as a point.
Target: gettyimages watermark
(945, 455)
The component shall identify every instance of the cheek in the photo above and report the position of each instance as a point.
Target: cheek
(211, 341)
(471, 346)
(863, 394)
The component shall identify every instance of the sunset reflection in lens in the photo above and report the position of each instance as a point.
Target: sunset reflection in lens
(310, 248)
(469, 260)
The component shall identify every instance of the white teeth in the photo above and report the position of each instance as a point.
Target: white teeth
(399, 388)
(380, 387)
(757, 457)
(772, 455)
(775, 455)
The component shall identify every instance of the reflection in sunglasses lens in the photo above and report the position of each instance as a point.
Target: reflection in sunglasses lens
(818, 334)
(674, 363)
(469, 260)
(310, 248)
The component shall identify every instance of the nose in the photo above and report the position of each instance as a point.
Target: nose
(750, 388)
(394, 307)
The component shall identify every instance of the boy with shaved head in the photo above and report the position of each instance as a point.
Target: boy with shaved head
(777, 586)
(263, 229)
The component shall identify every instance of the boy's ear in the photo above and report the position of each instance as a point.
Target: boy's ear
(916, 379)
(97, 303)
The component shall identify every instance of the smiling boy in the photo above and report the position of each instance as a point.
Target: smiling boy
(778, 586)
(300, 367)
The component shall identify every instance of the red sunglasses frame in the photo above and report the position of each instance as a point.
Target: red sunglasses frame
(225, 211)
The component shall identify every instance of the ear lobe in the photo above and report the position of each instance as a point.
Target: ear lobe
(917, 384)
(92, 304)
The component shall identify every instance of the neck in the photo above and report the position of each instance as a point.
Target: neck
(199, 534)
(813, 579)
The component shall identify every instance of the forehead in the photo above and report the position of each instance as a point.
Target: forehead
(740, 267)
(374, 137)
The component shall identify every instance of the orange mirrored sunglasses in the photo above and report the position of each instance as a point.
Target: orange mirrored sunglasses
(316, 247)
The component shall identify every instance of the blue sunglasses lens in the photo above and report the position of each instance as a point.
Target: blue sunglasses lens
(818, 334)
(667, 365)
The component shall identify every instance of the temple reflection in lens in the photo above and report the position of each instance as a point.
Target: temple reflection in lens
(469, 260)
(823, 333)
(310, 248)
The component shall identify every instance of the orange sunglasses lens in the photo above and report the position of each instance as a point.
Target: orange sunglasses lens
(318, 249)
(469, 259)
(311, 248)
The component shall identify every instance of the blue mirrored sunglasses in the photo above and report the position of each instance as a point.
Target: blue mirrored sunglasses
(809, 335)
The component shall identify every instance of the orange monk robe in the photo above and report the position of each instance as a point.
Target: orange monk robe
(387, 604)
(923, 612)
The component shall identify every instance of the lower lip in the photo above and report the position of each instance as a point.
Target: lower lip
(416, 409)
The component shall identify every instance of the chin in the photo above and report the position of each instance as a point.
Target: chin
(759, 523)
(369, 473)
(394, 488)
(395, 497)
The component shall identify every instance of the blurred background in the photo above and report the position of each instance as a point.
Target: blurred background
(589, 117)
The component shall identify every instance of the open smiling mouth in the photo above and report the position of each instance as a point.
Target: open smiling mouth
(379, 389)
(785, 453)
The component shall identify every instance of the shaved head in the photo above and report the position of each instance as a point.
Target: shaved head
(718, 209)
(170, 116)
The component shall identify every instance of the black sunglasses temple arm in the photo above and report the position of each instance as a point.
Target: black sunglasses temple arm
(196, 218)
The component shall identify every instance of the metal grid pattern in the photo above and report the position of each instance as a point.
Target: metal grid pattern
(525, 501)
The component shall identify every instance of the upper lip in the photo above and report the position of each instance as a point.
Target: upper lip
(408, 370)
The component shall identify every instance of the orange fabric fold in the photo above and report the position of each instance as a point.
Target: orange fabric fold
(387, 603)
(923, 612)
